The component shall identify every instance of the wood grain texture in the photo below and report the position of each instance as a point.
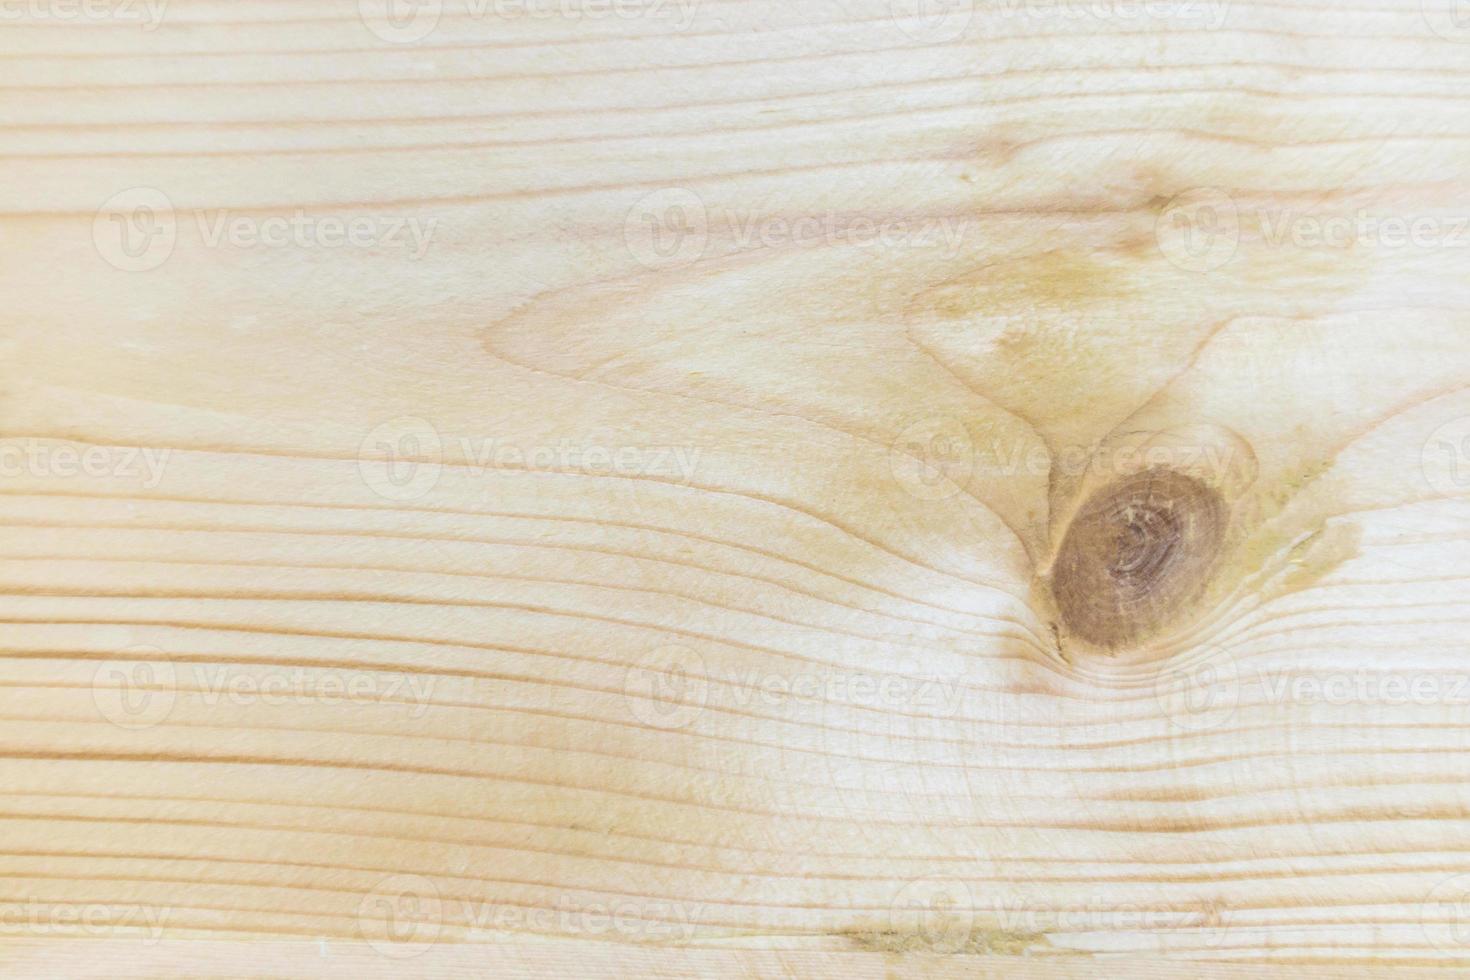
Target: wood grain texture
(577, 483)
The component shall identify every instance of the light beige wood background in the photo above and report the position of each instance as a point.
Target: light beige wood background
(580, 481)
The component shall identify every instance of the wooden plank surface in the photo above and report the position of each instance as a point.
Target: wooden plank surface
(703, 486)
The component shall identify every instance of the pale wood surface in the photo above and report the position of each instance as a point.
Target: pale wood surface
(715, 592)
(223, 960)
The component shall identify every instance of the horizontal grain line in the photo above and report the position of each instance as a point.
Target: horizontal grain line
(1149, 797)
(1182, 905)
(761, 501)
(860, 50)
(480, 118)
(669, 594)
(510, 515)
(746, 63)
(291, 826)
(823, 753)
(805, 125)
(740, 871)
(1156, 825)
(430, 571)
(687, 180)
